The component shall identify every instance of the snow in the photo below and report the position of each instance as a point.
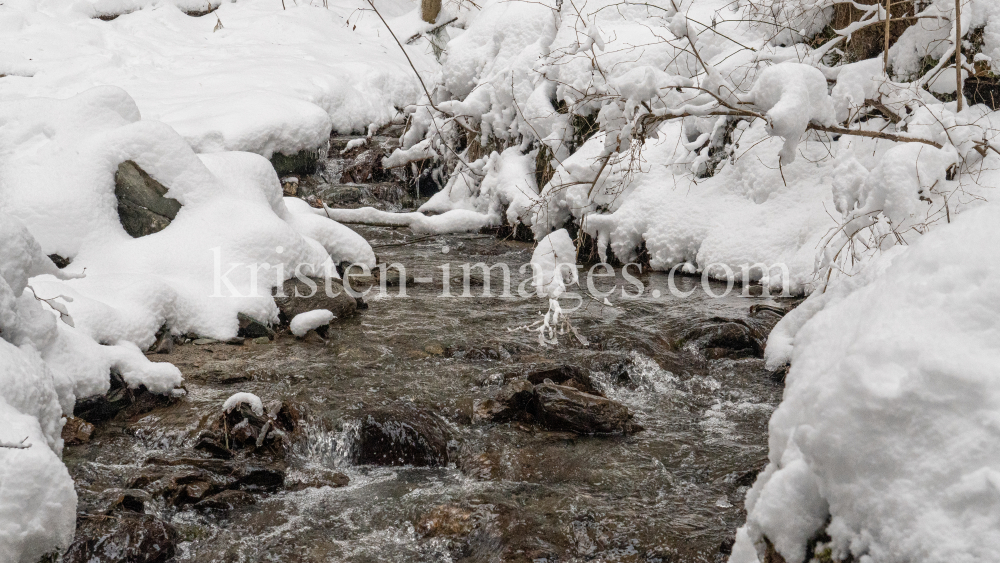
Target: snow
(304, 322)
(238, 399)
(793, 95)
(269, 80)
(888, 424)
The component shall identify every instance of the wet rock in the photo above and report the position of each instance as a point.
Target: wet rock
(226, 500)
(567, 375)
(564, 408)
(730, 338)
(259, 479)
(131, 500)
(400, 435)
(143, 208)
(210, 443)
(126, 537)
(120, 401)
(297, 297)
(334, 480)
(77, 431)
(250, 327)
(512, 402)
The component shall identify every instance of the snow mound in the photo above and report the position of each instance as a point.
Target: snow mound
(304, 322)
(238, 399)
(888, 425)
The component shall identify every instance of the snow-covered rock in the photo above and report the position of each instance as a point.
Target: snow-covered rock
(304, 322)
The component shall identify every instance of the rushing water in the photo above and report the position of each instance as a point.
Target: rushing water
(673, 492)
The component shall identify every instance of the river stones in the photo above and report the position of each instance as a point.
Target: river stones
(297, 297)
(729, 338)
(560, 407)
(143, 207)
(556, 407)
(124, 537)
(186, 481)
(399, 435)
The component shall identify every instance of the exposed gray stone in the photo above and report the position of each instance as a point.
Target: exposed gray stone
(143, 208)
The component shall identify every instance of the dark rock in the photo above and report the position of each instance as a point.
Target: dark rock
(250, 327)
(226, 500)
(210, 443)
(731, 338)
(119, 401)
(131, 500)
(143, 208)
(126, 537)
(259, 479)
(77, 431)
(512, 402)
(564, 408)
(297, 297)
(59, 261)
(570, 376)
(400, 435)
(301, 163)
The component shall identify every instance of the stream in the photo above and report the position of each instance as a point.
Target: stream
(509, 491)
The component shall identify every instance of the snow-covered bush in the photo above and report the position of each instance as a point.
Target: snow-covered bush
(632, 121)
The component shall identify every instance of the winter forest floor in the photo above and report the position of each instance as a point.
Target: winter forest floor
(752, 250)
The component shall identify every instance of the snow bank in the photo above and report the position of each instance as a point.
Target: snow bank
(232, 241)
(268, 80)
(888, 425)
(304, 322)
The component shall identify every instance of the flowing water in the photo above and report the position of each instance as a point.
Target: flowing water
(510, 492)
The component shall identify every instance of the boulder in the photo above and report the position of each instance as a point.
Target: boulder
(124, 537)
(143, 207)
(297, 297)
(512, 402)
(560, 407)
(400, 435)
